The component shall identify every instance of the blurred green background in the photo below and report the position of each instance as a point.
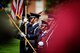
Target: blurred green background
(11, 47)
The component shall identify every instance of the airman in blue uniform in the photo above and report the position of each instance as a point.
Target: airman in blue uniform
(31, 30)
(22, 40)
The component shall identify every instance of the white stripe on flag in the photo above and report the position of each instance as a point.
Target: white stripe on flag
(13, 15)
(17, 7)
(20, 6)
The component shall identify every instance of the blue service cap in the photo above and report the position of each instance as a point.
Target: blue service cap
(34, 15)
(29, 16)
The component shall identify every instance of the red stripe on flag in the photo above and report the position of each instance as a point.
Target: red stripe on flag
(21, 9)
(13, 8)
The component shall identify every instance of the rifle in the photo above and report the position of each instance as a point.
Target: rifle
(42, 11)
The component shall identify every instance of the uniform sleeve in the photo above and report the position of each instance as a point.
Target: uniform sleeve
(22, 27)
(34, 27)
(36, 33)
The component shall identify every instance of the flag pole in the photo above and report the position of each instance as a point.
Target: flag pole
(25, 16)
(25, 7)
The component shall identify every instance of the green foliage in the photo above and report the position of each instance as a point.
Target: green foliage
(53, 3)
(49, 4)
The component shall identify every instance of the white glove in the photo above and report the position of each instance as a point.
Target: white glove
(40, 43)
(43, 34)
(45, 31)
(22, 34)
(25, 19)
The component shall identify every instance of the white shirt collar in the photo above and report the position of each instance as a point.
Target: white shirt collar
(35, 23)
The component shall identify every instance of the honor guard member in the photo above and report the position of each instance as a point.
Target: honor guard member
(19, 22)
(34, 20)
(22, 40)
(29, 26)
(42, 32)
(31, 30)
(44, 28)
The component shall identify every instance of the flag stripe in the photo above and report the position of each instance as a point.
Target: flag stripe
(14, 3)
(13, 15)
(13, 7)
(21, 11)
(17, 8)
(21, 7)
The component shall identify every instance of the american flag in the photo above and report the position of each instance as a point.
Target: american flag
(17, 8)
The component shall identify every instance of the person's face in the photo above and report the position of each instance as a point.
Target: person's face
(32, 20)
(43, 28)
(36, 19)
